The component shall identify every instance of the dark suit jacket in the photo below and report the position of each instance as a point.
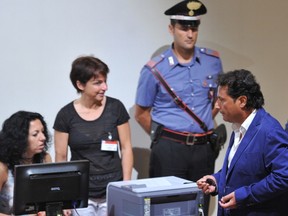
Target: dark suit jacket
(259, 170)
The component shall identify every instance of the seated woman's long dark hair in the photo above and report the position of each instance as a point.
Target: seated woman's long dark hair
(14, 138)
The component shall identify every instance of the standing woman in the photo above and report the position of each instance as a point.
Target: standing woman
(96, 128)
(23, 140)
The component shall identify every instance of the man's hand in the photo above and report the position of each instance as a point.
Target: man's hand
(228, 201)
(207, 184)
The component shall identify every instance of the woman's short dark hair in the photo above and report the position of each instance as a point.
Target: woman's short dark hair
(242, 83)
(14, 138)
(86, 67)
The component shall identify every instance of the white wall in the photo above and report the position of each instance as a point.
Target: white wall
(40, 39)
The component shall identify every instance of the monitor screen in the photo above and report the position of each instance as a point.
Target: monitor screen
(51, 186)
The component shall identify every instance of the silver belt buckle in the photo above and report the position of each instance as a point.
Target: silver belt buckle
(187, 140)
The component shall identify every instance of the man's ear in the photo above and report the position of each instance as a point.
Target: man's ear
(171, 29)
(243, 101)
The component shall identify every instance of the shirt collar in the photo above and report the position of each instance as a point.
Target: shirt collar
(173, 59)
(245, 125)
(197, 54)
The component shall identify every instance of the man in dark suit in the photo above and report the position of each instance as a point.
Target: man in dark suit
(254, 176)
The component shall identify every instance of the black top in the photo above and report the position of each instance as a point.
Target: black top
(85, 142)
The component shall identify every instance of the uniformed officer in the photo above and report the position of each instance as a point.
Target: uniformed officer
(180, 146)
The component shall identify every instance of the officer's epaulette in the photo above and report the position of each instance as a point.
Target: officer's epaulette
(154, 61)
(210, 52)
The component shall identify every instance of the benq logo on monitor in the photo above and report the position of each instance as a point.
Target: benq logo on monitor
(55, 189)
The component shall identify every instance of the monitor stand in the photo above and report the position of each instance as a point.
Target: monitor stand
(54, 209)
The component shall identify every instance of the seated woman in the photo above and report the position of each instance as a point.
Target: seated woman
(23, 140)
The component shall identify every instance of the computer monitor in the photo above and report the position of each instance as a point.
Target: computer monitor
(51, 187)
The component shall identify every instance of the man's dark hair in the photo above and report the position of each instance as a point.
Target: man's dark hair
(242, 83)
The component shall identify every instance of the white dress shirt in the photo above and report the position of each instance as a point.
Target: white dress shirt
(240, 131)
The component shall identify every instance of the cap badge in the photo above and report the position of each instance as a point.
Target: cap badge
(193, 6)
